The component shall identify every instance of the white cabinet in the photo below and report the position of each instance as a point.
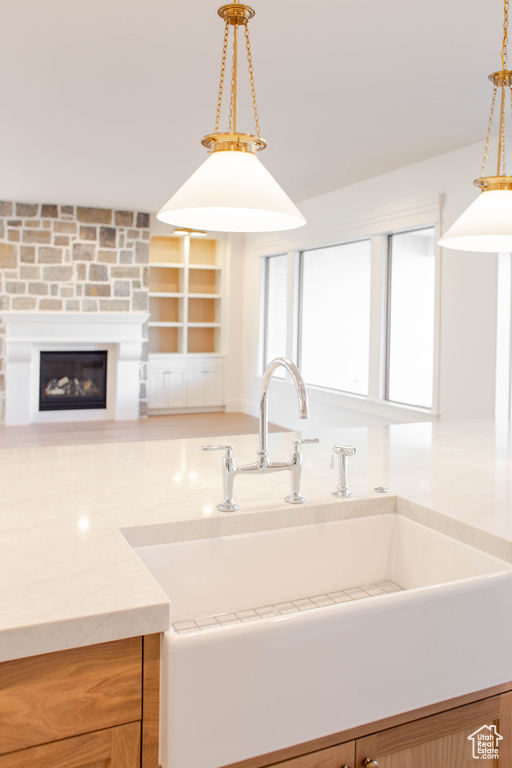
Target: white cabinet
(214, 386)
(167, 388)
(205, 385)
(181, 383)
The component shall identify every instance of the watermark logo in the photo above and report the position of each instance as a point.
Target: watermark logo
(486, 743)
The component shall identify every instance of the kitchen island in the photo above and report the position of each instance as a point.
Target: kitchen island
(69, 577)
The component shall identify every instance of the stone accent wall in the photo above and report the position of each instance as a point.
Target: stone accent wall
(67, 258)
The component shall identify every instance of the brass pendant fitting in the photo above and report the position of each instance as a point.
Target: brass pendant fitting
(236, 13)
(486, 183)
(234, 142)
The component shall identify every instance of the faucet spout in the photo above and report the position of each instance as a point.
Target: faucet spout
(302, 396)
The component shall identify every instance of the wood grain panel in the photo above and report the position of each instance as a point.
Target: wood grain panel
(363, 730)
(125, 746)
(334, 757)
(150, 700)
(441, 740)
(58, 695)
(117, 747)
(91, 750)
(505, 730)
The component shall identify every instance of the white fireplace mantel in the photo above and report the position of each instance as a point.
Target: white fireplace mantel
(30, 333)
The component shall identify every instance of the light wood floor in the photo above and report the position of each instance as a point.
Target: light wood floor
(152, 428)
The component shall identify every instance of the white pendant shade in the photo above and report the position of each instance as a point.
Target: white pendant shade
(232, 192)
(486, 226)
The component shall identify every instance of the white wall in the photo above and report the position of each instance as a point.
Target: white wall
(468, 289)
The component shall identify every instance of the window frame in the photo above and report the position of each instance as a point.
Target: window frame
(300, 301)
(337, 228)
(264, 307)
(389, 267)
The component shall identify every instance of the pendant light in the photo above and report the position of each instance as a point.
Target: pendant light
(232, 191)
(487, 224)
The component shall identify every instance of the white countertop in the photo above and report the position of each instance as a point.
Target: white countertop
(69, 578)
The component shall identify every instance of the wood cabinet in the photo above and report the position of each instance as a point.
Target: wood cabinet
(112, 748)
(93, 707)
(448, 738)
(442, 740)
(335, 757)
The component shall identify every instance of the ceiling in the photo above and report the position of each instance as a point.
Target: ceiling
(104, 102)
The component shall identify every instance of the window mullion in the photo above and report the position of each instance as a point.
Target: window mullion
(378, 318)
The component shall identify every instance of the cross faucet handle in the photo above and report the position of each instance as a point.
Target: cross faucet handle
(228, 448)
(306, 440)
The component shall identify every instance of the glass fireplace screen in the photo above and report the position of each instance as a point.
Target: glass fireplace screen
(73, 380)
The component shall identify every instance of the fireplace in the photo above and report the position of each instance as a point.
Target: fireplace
(72, 380)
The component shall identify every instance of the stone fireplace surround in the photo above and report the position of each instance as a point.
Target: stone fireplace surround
(67, 260)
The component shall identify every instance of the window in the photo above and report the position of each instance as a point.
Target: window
(276, 309)
(335, 312)
(411, 292)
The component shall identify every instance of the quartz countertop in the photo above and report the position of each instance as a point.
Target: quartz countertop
(69, 577)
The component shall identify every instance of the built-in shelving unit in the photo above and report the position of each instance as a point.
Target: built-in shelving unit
(185, 326)
(185, 276)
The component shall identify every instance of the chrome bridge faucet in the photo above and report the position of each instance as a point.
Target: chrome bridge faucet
(262, 465)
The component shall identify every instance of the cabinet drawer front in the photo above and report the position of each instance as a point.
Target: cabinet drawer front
(334, 757)
(113, 748)
(57, 695)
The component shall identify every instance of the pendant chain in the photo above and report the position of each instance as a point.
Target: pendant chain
(503, 137)
(232, 94)
(251, 75)
(489, 129)
(505, 38)
(233, 90)
(222, 74)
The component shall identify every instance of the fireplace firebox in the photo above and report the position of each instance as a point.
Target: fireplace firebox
(73, 380)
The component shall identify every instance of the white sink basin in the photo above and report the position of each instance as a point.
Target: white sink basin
(321, 660)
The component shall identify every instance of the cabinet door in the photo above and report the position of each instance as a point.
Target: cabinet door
(196, 387)
(340, 756)
(214, 394)
(176, 388)
(113, 748)
(157, 394)
(60, 695)
(443, 741)
(205, 387)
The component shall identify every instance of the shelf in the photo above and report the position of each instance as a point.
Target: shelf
(160, 295)
(166, 265)
(204, 295)
(203, 311)
(203, 253)
(165, 340)
(163, 309)
(203, 282)
(203, 339)
(165, 250)
(203, 325)
(165, 279)
(165, 325)
(205, 267)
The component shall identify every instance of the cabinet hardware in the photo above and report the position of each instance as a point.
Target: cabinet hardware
(370, 763)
